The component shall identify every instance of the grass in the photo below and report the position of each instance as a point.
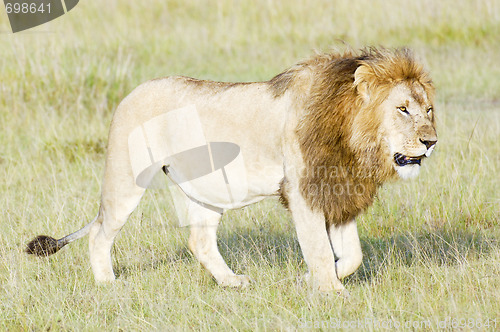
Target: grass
(431, 246)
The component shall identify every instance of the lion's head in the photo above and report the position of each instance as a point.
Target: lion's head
(398, 88)
(367, 118)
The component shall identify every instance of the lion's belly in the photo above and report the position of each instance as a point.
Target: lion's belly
(231, 186)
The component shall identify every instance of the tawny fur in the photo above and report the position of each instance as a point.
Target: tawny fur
(343, 171)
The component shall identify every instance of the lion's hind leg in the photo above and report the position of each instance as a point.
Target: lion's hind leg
(120, 196)
(346, 246)
(112, 216)
(203, 244)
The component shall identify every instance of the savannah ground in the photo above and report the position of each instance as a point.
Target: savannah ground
(431, 245)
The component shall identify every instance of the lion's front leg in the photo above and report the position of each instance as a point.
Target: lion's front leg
(315, 244)
(346, 246)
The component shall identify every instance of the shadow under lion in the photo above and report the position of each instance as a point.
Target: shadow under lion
(245, 247)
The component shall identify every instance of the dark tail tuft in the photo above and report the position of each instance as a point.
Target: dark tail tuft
(43, 245)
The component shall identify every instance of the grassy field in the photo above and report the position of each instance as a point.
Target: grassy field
(431, 245)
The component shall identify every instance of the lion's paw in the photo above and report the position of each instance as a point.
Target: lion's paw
(105, 279)
(240, 280)
(330, 290)
(344, 293)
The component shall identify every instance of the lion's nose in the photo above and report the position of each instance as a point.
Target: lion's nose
(428, 144)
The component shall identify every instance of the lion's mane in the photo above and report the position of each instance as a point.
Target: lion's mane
(340, 134)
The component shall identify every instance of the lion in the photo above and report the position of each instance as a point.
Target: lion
(323, 135)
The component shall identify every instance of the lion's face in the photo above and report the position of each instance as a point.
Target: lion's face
(409, 127)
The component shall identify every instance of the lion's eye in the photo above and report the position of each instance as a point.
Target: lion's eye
(429, 110)
(403, 110)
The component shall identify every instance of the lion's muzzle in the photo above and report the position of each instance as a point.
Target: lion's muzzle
(402, 160)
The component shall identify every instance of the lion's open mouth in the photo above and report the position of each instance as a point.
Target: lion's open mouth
(402, 160)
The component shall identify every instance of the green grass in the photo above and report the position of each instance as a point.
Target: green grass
(431, 246)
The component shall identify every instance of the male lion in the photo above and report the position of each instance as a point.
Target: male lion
(324, 135)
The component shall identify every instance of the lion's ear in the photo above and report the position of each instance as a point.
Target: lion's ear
(362, 78)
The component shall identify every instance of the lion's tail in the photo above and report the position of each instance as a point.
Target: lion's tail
(44, 245)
